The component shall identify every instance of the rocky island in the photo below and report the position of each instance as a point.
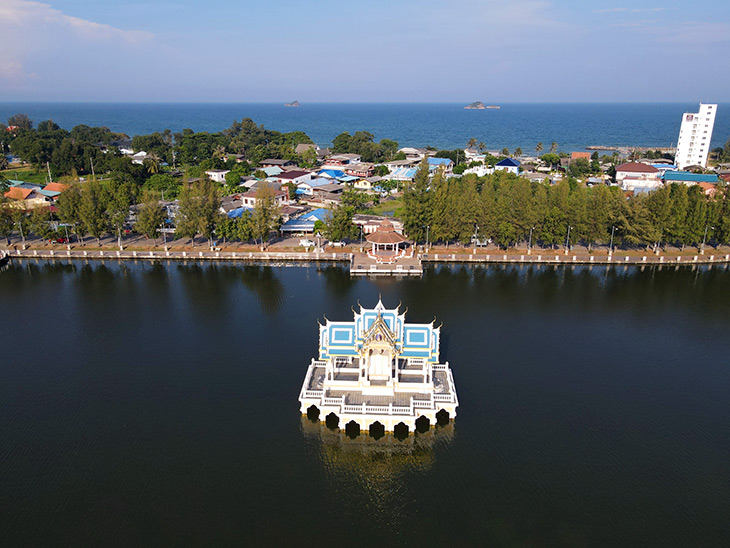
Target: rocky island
(292, 104)
(478, 105)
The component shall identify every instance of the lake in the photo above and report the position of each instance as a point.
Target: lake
(151, 404)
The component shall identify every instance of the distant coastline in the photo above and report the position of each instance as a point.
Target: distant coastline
(574, 126)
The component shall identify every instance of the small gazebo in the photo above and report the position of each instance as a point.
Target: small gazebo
(386, 243)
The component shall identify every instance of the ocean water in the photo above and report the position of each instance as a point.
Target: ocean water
(151, 404)
(443, 125)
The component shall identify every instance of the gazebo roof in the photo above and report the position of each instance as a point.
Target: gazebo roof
(386, 234)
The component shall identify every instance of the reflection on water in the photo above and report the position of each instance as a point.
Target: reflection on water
(268, 288)
(374, 472)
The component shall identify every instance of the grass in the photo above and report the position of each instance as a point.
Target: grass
(389, 206)
(26, 174)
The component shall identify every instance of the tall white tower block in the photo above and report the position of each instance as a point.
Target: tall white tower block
(695, 136)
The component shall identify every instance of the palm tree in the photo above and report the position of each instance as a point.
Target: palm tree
(518, 152)
(152, 163)
(538, 148)
(553, 147)
(471, 143)
(481, 146)
(219, 151)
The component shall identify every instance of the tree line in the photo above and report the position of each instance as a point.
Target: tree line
(117, 207)
(512, 210)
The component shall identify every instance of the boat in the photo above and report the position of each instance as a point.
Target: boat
(4, 257)
(492, 106)
(378, 372)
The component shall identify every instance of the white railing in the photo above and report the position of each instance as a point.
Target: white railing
(439, 367)
(422, 404)
(334, 401)
(377, 409)
(353, 408)
(313, 393)
(443, 397)
(319, 363)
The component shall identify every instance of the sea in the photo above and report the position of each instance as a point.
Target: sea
(573, 126)
(156, 404)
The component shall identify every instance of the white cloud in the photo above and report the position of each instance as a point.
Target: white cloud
(32, 33)
(629, 10)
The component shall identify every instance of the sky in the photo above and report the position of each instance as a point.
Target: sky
(366, 51)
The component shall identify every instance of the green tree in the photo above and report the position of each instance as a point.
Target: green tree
(518, 152)
(265, 214)
(417, 204)
(339, 225)
(92, 209)
(538, 148)
(40, 219)
(120, 197)
(69, 210)
(553, 147)
(21, 121)
(150, 217)
(7, 225)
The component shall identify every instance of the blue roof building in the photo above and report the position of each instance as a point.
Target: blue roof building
(508, 164)
(306, 221)
(688, 178)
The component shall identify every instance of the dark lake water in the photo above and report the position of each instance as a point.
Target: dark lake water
(156, 405)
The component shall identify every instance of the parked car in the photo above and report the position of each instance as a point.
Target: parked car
(336, 244)
(58, 241)
(304, 242)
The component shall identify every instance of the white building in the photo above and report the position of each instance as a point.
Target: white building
(218, 175)
(379, 372)
(634, 176)
(695, 136)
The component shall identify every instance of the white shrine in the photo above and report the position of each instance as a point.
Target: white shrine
(379, 372)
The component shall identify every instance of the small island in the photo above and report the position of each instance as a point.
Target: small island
(292, 104)
(478, 105)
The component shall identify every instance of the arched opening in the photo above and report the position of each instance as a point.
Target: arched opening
(377, 430)
(442, 417)
(422, 424)
(313, 413)
(400, 431)
(332, 421)
(352, 429)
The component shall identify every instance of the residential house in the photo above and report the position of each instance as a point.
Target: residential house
(399, 164)
(249, 199)
(294, 176)
(367, 183)
(362, 169)
(634, 176)
(26, 198)
(339, 160)
(446, 163)
(304, 224)
(218, 175)
(307, 187)
(415, 154)
(276, 162)
(510, 165)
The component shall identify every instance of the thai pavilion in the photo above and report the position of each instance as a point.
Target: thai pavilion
(387, 244)
(379, 372)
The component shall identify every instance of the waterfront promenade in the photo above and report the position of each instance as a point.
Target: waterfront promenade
(357, 260)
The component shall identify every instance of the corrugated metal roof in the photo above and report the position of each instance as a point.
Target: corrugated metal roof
(686, 176)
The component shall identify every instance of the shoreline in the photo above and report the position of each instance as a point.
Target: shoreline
(539, 257)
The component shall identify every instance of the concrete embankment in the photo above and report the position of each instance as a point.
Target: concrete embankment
(294, 257)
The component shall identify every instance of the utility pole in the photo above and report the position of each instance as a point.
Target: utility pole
(93, 175)
(50, 180)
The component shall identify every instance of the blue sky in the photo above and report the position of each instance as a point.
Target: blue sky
(374, 50)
